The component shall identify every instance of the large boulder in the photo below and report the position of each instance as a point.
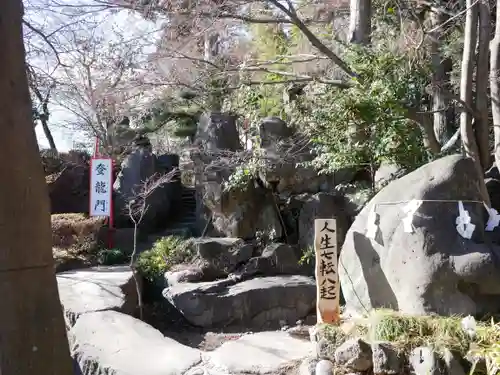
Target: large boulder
(276, 259)
(283, 152)
(257, 302)
(237, 212)
(433, 269)
(272, 130)
(386, 173)
(108, 342)
(218, 131)
(218, 257)
(240, 212)
(97, 289)
(260, 353)
(321, 206)
(69, 189)
(137, 168)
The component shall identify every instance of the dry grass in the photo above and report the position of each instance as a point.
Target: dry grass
(407, 332)
(75, 237)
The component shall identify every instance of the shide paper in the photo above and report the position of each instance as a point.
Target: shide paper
(493, 220)
(410, 209)
(464, 225)
(372, 225)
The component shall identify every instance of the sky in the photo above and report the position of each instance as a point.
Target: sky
(127, 24)
(63, 137)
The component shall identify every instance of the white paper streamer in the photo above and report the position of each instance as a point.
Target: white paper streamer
(372, 225)
(410, 210)
(464, 226)
(493, 220)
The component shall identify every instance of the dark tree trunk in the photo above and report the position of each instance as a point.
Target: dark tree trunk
(32, 332)
(48, 133)
(482, 74)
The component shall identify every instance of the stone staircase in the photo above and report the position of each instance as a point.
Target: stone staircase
(184, 224)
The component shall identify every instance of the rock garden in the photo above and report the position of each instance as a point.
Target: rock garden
(219, 277)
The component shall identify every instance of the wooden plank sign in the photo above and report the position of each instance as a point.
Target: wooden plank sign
(327, 282)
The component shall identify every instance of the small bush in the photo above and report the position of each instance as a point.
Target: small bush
(166, 252)
(108, 257)
(76, 233)
(308, 256)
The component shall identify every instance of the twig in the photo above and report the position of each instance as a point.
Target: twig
(137, 208)
(46, 40)
(452, 18)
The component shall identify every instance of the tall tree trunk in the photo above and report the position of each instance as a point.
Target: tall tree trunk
(48, 134)
(212, 54)
(44, 117)
(32, 332)
(360, 21)
(45, 126)
(360, 29)
(466, 128)
(440, 77)
(482, 128)
(495, 85)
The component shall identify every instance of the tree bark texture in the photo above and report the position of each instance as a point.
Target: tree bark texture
(495, 85)
(482, 126)
(44, 116)
(360, 24)
(468, 59)
(441, 76)
(360, 29)
(32, 331)
(48, 134)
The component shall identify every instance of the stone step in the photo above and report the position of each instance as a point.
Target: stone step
(187, 210)
(188, 203)
(186, 214)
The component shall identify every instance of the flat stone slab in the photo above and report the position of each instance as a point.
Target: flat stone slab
(109, 342)
(259, 353)
(96, 289)
(255, 302)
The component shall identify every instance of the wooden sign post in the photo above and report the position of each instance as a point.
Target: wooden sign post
(327, 281)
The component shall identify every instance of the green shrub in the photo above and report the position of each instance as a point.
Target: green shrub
(166, 252)
(110, 257)
(308, 256)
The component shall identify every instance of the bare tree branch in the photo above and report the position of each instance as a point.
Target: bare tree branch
(136, 208)
(45, 38)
